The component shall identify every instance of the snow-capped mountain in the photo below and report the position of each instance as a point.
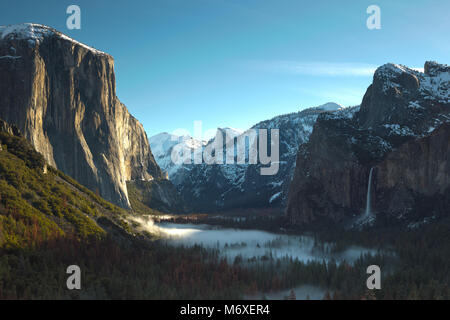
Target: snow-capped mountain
(162, 146)
(227, 186)
(230, 132)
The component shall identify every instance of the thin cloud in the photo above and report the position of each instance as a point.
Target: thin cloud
(342, 95)
(316, 68)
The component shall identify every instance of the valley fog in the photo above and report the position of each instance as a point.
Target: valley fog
(251, 245)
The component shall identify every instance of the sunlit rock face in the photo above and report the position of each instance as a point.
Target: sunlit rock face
(401, 130)
(61, 94)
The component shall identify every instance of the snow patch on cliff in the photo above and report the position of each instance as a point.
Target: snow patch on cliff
(36, 33)
(434, 85)
(399, 130)
(31, 31)
(275, 197)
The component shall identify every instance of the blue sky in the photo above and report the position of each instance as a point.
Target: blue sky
(232, 63)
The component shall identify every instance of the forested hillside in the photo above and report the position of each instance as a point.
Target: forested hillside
(48, 222)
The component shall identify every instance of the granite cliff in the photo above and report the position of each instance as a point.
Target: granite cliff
(61, 94)
(401, 130)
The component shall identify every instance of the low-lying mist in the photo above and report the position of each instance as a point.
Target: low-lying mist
(250, 245)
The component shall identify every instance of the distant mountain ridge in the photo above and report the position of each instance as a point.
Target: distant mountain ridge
(231, 186)
(162, 147)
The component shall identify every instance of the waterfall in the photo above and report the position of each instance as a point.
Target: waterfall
(369, 192)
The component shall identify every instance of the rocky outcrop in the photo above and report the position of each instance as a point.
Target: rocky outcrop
(155, 194)
(9, 129)
(61, 94)
(401, 130)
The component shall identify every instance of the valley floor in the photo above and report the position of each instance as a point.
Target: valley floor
(49, 222)
(158, 270)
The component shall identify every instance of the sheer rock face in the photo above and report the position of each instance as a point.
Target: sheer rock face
(61, 95)
(402, 129)
(418, 167)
